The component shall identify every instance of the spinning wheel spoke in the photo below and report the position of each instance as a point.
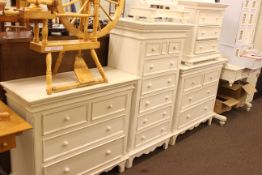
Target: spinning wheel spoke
(70, 3)
(105, 12)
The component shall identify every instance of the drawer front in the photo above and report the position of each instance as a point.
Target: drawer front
(160, 65)
(193, 82)
(155, 101)
(206, 46)
(208, 33)
(153, 118)
(211, 76)
(153, 48)
(174, 47)
(103, 107)
(195, 113)
(197, 96)
(7, 143)
(151, 134)
(86, 161)
(63, 119)
(158, 83)
(210, 18)
(60, 145)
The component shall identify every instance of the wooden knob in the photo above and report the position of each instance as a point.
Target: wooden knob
(208, 92)
(110, 106)
(162, 129)
(108, 152)
(169, 81)
(5, 144)
(205, 108)
(190, 99)
(188, 117)
(171, 63)
(153, 50)
(67, 118)
(65, 143)
(4, 116)
(67, 170)
(147, 103)
(174, 48)
(167, 98)
(108, 128)
(151, 67)
(145, 121)
(143, 137)
(193, 83)
(164, 114)
(149, 85)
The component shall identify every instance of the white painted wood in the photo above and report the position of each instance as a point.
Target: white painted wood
(202, 41)
(89, 130)
(153, 52)
(196, 96)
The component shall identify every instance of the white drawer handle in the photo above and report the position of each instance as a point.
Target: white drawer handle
(193, 83)
(162, 129)
(147, 103)
(67, 118)
(171, 63)
(67, 170)
(169, 81)
(211, 78)
(108, 128)
(108, 152)
(217, 19)
(205, 108)
(164, 114)
(190, 99)
(65, 143)
(213, 47)
(167, 98)
(208, 92)
(202, 33)
(143, 137)
(5, 144)
(216, 32)
(145, 121)
(110, 106)
(151, 67)
(188, 117)
(203, 18)
(174, 48)
(152, 50)
(200, 48)
(149, 85)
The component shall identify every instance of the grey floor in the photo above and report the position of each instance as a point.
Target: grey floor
(234, 149)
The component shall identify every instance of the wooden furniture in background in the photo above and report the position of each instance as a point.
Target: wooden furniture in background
(10, 125)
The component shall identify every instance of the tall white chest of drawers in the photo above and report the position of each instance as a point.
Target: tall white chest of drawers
(153, 52)
(202, 41)
(196, 95)
(80, 131)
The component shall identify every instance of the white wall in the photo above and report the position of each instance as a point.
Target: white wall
(258, 36)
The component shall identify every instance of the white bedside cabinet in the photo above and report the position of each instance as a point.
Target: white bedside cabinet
(202, 41)
(153, 52)
(197, 90)
(79, 131)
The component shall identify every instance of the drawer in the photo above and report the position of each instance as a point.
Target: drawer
(174, 47)
(211, 76)
(191, 115)
(152, 102)
(85, 162)
(63, 118)
(206, 46)
(104, 107)
(158, 83)
(7, 143)
(210, 18)
(197, 96)
(160, 65)
(193, 82)
(208, 33)
(63, 144)
(153, 118)
(151, 134)
(153, 48)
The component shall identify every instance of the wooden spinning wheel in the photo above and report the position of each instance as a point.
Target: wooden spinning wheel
(82, 18)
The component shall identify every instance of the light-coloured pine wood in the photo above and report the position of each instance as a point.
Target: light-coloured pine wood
(7, 143)
(4, 116)
(81, 70)
(98, 65)
(49, 73)
(58, 62)
(36, 33)
(45, 32)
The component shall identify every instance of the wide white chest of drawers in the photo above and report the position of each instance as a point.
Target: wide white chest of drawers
(153, 52)
(196, 95)
(80, 131)
(202, 41)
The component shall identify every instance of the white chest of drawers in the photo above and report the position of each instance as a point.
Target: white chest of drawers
(153, 52)
(81, 131)
(196, 95)
(202, 41)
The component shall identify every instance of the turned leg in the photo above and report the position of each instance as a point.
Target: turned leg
(122, 167)
(98, 65)
(49, 73)
(210, 121)
(173, 140)
(165, 146)
(129, 162)
(248, 106)
(222, 119)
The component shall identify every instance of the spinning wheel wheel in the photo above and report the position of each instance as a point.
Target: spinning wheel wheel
(82, 21)
(100, 9)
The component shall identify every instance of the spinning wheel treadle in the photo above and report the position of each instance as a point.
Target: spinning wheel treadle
(83, 22)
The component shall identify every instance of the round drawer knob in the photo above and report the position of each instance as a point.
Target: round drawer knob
(164, 114)
(171, 63)
(5, 144)
(145, 121)
(217, 19)
(216, 33)
(153, 50)
(174, 48)
(202, 33)
(205, 108)
(169, 81)
(67, 170)
(151, 67)
(203, 18)
(188, 117)
(167, 98)
(108, 128)
(147, 103)
(211, 78)
(190, 99)
(110, 106)
(200, 48)
(149, 85)
(65, 143)
(67, 118)
(108, 152)
(162, 129)
(143, 137)
(208, 92)
(193, 83)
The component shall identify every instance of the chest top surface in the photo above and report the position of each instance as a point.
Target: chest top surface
(32, 90)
